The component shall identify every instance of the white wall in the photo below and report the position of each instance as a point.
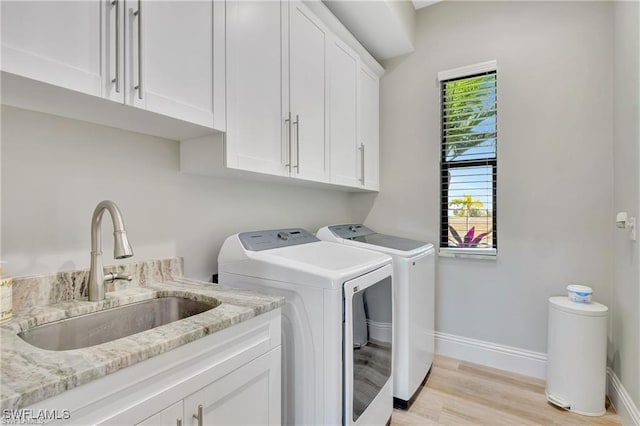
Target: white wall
(55, 171)
(625, 312)
(555, 175)
(1, 187)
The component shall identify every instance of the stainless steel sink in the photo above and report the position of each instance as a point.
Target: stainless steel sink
(111, 324)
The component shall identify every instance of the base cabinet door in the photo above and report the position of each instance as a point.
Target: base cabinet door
(170, 416)
(249, 395)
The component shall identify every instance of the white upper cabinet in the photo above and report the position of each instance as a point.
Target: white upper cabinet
(293, 98)
(294, 102)
(307, 94)
(156, 56)
(57, 42)
(256, 126)
(344, 66)
(276, 90)
(169, 61)
(369, 127)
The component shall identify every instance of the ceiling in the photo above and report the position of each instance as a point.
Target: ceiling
(419, 4)
(386, 28)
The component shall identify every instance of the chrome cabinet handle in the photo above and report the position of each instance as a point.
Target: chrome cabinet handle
(200, 416)
(116, 79)
(297, 124)
(138, 14)
(361, 163)
(288, 141)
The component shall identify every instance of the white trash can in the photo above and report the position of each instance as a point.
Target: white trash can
(577, 356)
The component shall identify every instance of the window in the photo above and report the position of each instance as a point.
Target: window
(468, 162)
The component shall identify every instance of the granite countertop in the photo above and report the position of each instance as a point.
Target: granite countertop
(30, 375)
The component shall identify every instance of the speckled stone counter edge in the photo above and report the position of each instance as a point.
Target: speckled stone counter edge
(30, 374)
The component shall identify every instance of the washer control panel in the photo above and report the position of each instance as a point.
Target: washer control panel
(350, 231)
(275, 238)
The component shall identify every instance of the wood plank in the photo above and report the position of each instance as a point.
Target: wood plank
(459, 392)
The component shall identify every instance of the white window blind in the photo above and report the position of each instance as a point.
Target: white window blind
(469, 162)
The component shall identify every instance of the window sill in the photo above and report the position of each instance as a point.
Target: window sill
(476, 254)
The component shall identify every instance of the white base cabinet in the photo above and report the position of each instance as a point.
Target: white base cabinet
(232, 377)
(248, 396)
(170, 416)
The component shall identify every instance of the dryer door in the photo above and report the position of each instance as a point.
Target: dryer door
(367, 348)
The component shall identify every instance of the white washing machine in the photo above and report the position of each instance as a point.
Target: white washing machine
(335, 369)
(414, 287)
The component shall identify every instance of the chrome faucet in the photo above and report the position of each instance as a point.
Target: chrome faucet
(121, 249)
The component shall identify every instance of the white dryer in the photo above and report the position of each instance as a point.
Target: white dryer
(335, 371)
(414, 288)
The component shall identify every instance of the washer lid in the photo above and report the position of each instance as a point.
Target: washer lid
(362, 234)
(389, 241)
(593, 309)
(286, 256)
(350, 230)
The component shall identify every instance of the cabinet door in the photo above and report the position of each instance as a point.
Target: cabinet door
(57, 42)
(368, 127)
(307, 86)
(256, 127)
(170, 58)
(170, 416)
(343, 84)
(250, 395)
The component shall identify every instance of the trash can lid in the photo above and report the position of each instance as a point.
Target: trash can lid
(593, 309)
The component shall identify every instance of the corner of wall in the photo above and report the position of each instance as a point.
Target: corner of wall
(406, 14)
(621, 400)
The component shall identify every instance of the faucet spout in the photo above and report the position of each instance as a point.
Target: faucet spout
(121, 248)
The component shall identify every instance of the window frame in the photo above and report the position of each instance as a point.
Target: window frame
(476, 70)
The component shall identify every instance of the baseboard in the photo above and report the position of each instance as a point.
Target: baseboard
(529, 363)
(507, 358)
(380, 331)
(621, 400)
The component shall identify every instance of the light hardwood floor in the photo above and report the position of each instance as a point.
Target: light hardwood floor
(458, 392)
